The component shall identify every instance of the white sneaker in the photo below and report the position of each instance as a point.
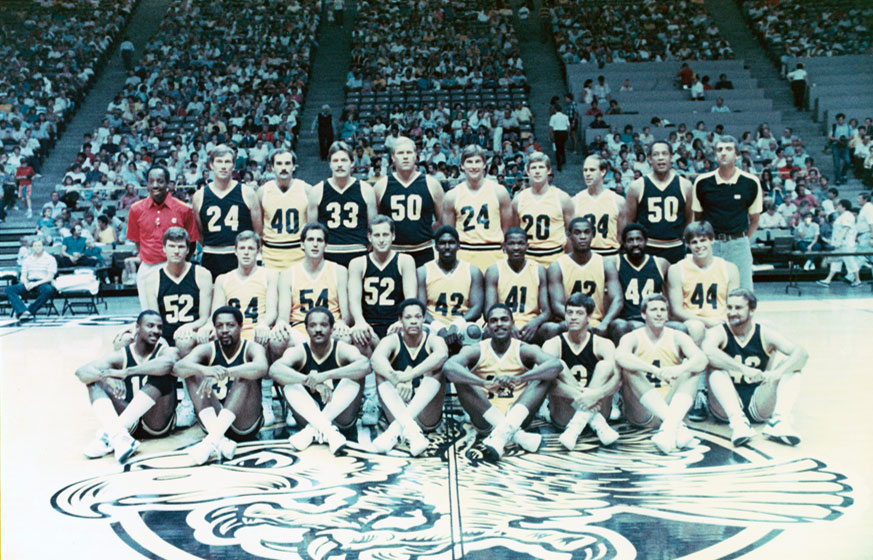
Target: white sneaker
(335, 440)
(606, 434)
(290, 421)
(302, 439)
(570, 435)
(29, 214)
(685, 437)
(496, 440)
(386, 441)
(267, 410)
(124, 446)
(185, 417)
(200, 453)
(98, 447)
(664, 442)
(528, 441)
(226, 448)
(778, 429)
(370, 412)
(741, 432)
(416, 440)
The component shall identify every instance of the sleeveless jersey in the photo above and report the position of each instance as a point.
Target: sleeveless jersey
(590, 279)
(178, 302)
(602, 212)
(543, 219)
(383, 292)
(133, 383)
(519, 290)
(752, 354)
(490, 366)
(704, 291)
(412, 209)
(313, 291)
(662, 212)
(223, 217)
(222, 387)
(249, 295)
(345, 215)
(448, 293)
(637, 284)
(407, 358)
(284, 218)
(477, 217)
(662, 353)
(581, 363)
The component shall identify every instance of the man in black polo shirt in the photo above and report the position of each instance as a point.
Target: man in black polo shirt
(731, 200)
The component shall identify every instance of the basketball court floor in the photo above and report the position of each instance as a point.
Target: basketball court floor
(763, 501)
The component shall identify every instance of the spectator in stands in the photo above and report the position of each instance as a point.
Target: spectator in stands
(843, 239)
(802, 196)
(799, 79)
(559, 127)
(723, 82)
(806, 237)
(685, 75)
(865, 228)
(839, 137)
(55, 205)
(24, 177)
(38, 270)
(73, 250)
(104, 233)
(614, 108)
(598, 123)
(594, 109)
(129, 198)
(572, 113)
(696, 89)
(771, 220)
(720, 107)
(602, 91)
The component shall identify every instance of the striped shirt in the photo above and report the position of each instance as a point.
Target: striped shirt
(39, 268)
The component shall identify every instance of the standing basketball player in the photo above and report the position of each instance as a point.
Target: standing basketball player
(600, 206)
(223, 209)
(408, 365)
(660, 202)
(345, 205)
(147, 363)
(413, 200)
(284, 206)
(480, 209)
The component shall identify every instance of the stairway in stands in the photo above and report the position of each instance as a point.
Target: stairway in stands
(329, 71)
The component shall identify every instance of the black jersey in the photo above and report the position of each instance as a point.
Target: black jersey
(753, 354)
(219, 359)
(345, 215)
(662, 212)
(412, 209)
(133, 383)
(581, 365)
(408, 358)
(383, 292)
(223, 217)
(314, 365)
(637, 284)
(178, 303)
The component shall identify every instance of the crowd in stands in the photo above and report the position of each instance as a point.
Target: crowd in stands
(800, 28)
(601, 33)
(216, 72)
(51, 55)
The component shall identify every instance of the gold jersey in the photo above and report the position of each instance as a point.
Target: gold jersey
(602, 211)
(542, 217)
(448, 293)
(249, 295)
(284, 218)
(519, 290)
(308, 291)
(490, 365)
(704, 290)
(590, 279)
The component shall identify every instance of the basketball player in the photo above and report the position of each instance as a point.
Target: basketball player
(223, 209)
(314, 282)
(413, 200)
(345, 205)
(521, 284)
(224, 380)
(582, 393)
(600, 206)
(583, 270)
(251, 289)
(145, 363)
(544, 212)
(321, 380)
(453, 290)
(640, 275)
(655, 360)
(745, 374)
(284, 206)
(408, 366)
(480, 209)
(501, 382)
(660, 203)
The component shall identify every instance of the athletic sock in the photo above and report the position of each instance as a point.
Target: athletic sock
(106, 415)
(581, 418)
(395, 404)
(655, 403)
(724, 392)
(786, 394)
(267, 391)
(492, 416)
(303, 403)
(208, 418)
(679, 407)
(598, 422)
(221, 424)
(138, 406)
(516, 415)
(344, 394)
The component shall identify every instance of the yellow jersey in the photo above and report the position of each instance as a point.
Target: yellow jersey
(477, 219)
(704, 290)
(590, 279)
(662, 353)
(309, 291)
(519, 290)
(602, 211)
(490, 365)
(542, 217)
(249, 295)
(448, 293)
(284, 218)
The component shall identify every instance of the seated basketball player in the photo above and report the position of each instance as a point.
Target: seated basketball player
(131, 390)
(582, 393)
(520, 283)
(408, 366)
(453, 291)
(659, 365)
(746, 376)
(321, 380)
(223, 378)
(501, 382)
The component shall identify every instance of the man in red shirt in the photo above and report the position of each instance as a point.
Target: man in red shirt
(150, 218)
(24, 177)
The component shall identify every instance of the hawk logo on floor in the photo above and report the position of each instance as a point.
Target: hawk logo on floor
(625, 502)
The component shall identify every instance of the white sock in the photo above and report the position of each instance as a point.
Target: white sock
(106, 415)
(516, 415)
(580, 419)
(344, 394)
(427, 390)
(492, 416)
(395, 404)
(370, 388)
(786, 394)
(267, 391)
(208, 418)
(723, 390)
(304, 405)
(598, 422)
(655, 403)
(221, 424)
(679, 407)
(138, 406)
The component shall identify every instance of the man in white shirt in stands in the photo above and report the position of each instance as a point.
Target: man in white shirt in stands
(771, 219)
(559, 132)
(37, 272)
(865, 228)
(843, 239)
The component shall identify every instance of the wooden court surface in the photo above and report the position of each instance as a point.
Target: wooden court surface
(768, 501)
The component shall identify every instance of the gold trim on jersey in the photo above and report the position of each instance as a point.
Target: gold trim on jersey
(282, 245)
(664, 243)
(223, 250)
(353, 248)
(410, 248)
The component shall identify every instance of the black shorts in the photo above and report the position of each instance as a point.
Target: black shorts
(343, 258)
(141, 430)
(381, 330)
(745, 391)
(421, 256)
(218, 263)
(672, 254)
(249, 434)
